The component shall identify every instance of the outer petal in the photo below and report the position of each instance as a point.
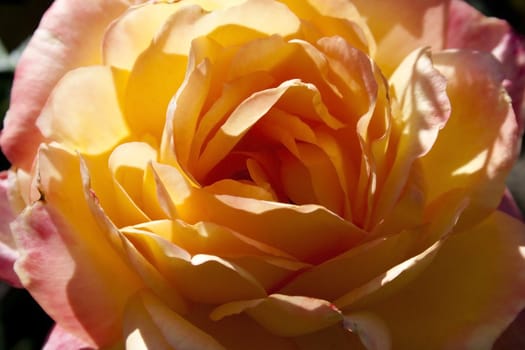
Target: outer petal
(482, 124)
(470, 29)
(69, 36)
(8, 253)
(467, 296)
(59, 339)
(76, 249)
(401, 26)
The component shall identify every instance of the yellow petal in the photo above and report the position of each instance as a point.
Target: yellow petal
(402, 26)
(133, 32)
(467, 296)
(83, 101)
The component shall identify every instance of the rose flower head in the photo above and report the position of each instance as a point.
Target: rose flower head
(266, 174)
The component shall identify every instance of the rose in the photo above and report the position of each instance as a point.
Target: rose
(265, 174)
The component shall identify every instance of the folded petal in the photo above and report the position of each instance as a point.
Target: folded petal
(69, 36)
(150, 324)
(468, 294)
(76, 249)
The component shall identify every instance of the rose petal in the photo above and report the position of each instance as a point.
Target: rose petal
(76, 249)
(467, 296)
(128, 36)
(482, 124)
(8, 251)
(69, 36)
(424, 108)
(151, 324)
(230, 25)
(96, 90)
(470, 29)
(59, 339)
(284, 315)
(203, 278)
(276, 224)
(402, 26)
(238, 332)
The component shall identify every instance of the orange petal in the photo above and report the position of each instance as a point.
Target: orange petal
(279, 225)
(151, 324)
(467, 296)
(284, 315)
(203, 278)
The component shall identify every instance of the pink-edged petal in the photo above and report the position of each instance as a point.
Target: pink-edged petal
(470, 29)
(151, 324)
(65, 255)
(60, 339)
(8, 251)
(401, 26)
(284, 315)
(479, 144)
(69, 36)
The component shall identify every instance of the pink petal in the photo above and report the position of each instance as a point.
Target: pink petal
(59, 339)
(67, 261)
(470, 29)
(69, 36)
(8, 252)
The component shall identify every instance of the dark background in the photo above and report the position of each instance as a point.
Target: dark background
(23, 325)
